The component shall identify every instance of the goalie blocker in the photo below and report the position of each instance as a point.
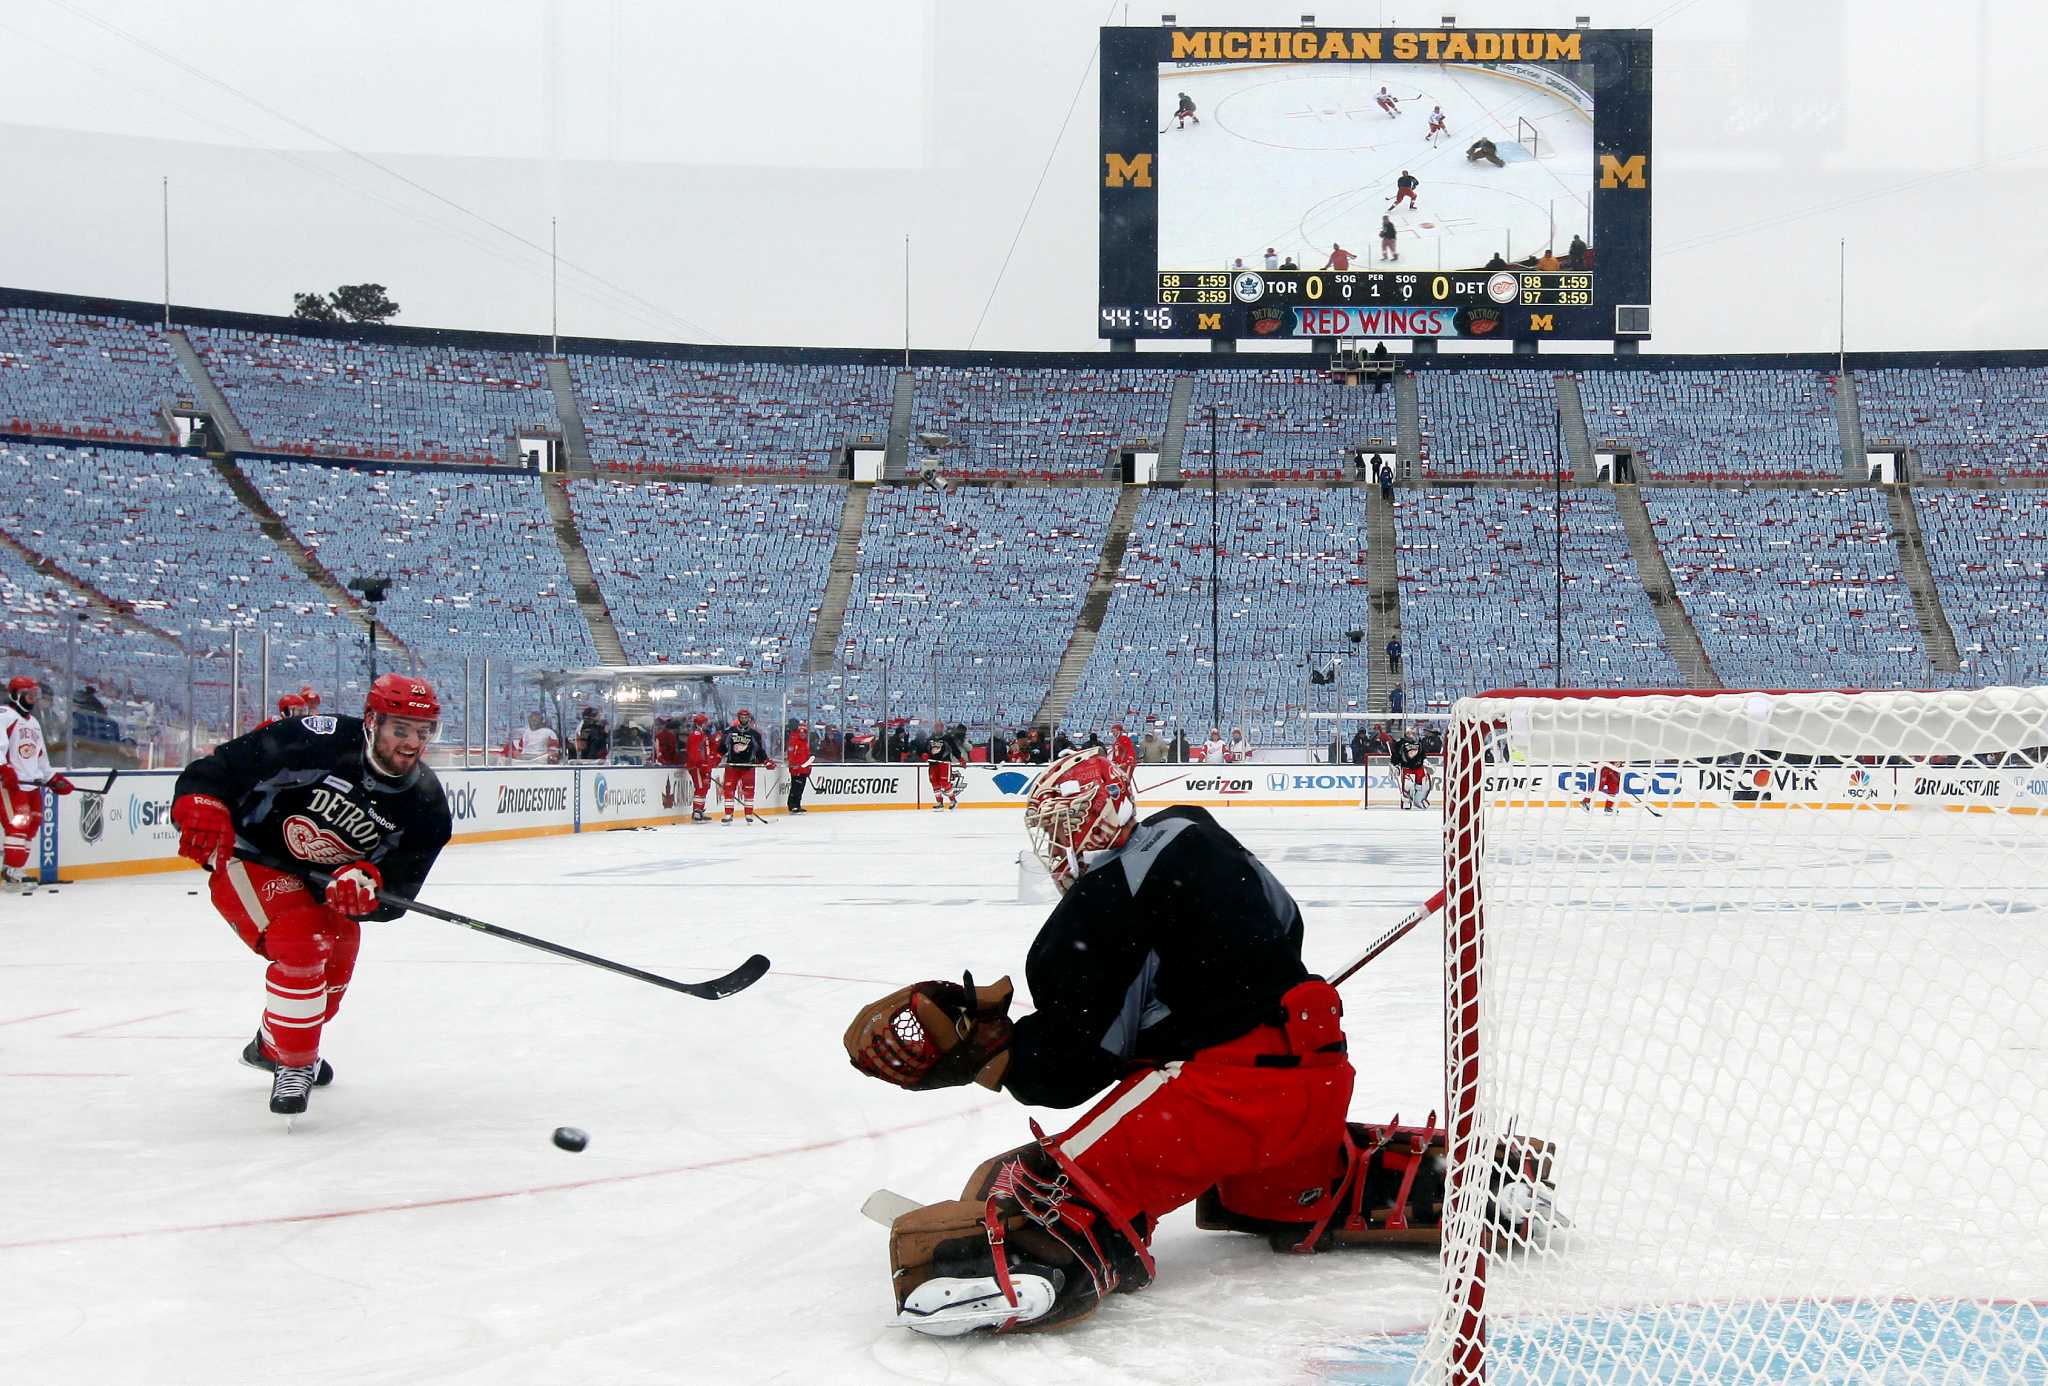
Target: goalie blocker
(1169, 973)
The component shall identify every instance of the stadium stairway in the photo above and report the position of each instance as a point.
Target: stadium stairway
(1383, 607)
(98, 600)
(1408, 423)
(575, 443)
(1912, 547)
(279, 533)
(1173, 445)
(215, 403)
(603, 634)
(1088, 625)
(896, 458)
(1681, 637)
(845, 558)
(1577, 444)
(1849, 423)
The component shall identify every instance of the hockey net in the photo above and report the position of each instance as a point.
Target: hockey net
(1777, 1000)
(1531, 138)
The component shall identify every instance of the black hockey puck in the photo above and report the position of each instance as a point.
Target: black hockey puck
(571, 1138)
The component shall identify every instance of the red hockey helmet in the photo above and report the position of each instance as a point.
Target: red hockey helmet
(291, 705)
(310, 698)
(743, 715)
(20, 684)
(700, 720)
(402, 695)
(1082, 802)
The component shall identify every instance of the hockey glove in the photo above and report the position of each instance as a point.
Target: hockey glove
(57, 784)
(206, 831)
(353, 889)
(933, 1034)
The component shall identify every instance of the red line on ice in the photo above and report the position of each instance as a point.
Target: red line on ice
(456, 1200)
(39, 1015)
(93, 1031)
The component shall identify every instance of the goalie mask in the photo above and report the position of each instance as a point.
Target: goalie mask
(1081, 803)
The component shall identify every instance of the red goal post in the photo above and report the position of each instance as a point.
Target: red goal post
(1626, 987)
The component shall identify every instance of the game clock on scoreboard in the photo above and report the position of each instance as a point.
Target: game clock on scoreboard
(1148, 320)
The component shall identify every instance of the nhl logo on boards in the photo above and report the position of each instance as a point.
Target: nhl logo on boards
(92, 817)
(1266, 321)
(1248, 287)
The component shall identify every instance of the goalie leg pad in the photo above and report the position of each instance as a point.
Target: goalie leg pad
(1025, 1250)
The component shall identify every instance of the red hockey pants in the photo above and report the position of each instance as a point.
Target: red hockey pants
(736, 786)
(1162, 1136)
(21, 815)
(312, 953)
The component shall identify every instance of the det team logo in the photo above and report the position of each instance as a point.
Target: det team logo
(308, 841)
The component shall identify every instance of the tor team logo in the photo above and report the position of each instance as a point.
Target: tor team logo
(1248, 287)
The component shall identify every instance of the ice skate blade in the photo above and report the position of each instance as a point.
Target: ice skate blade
(951, 1306)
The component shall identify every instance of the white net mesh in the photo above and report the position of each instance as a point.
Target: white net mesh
(1769, 973)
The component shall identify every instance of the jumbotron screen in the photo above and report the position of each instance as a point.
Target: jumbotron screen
(1425, 183)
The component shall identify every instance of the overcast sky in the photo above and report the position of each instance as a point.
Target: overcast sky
(749, 173)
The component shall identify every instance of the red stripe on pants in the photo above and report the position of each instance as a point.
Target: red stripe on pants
(312, 953)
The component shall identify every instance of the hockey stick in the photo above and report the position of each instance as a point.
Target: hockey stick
(1644, 804)
(1392, 936)
(82, 789)
(739, 979)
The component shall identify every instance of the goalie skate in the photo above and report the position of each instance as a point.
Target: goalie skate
(950, 1306)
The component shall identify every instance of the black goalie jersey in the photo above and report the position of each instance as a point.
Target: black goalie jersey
(301, 790)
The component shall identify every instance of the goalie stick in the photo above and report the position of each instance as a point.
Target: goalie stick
(1392, 936)
(739, 979)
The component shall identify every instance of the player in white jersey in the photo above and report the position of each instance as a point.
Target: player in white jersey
(1436, 125)
(1388, 102)
(24, 772)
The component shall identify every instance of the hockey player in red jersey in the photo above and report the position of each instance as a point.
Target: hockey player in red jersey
(1121, 749)
(1170, 973)
(798, 749)
(350, 798)
(1607, 783)
(288, 705)
(24, 773)
(699, 757)
(742, 751)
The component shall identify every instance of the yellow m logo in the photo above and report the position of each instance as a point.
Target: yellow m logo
(1208, 322)
(1137, 172)
(1542, 322)
(1618, 173)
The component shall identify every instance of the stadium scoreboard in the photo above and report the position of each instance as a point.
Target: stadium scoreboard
(1252, 183)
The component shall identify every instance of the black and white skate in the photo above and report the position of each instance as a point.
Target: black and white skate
(254, 1057)
(949, 1306)
(289, 1089)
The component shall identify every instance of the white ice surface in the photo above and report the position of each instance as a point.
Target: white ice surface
(1296, 156)
(158, 1225)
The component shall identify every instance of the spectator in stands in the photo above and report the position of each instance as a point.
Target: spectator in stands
(1386, 481)
(86, 700)
(1237, 265)
(998, 746)
(1288, 264)
(1432, 741)
(1041, 745)
(593, 742)
(1361, 744)
(537, 745)
(631, 736)
(1239, 751)
(1394, 654)
(1272, 258)
(1093, 743)
(1177, 748)
(1547, 260)
(1496, 263)
(1575, 254)
(1394, 700)
(1214, 747)
(668, 747)
(917, 744)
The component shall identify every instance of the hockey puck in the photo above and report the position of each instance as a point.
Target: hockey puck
(571, 1138)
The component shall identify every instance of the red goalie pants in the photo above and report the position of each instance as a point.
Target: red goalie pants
(1162, 1136)
(312, 952)
(737, 785)
(21, 813)
(700, 786)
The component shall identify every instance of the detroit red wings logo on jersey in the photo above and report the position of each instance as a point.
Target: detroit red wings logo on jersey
(308, 841)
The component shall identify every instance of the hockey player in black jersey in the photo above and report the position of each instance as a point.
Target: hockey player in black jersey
(1411, 765)
(352, 798)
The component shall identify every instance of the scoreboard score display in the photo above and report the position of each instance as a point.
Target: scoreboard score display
(1425, 183)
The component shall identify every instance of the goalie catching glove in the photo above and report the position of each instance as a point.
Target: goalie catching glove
(934, 1035)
